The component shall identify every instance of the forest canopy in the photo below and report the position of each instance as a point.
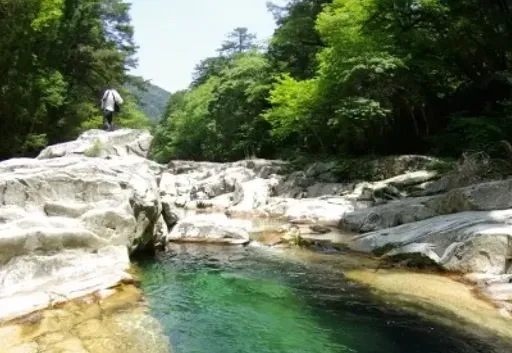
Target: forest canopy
(348, 78)
(56, 59)
(337, 78)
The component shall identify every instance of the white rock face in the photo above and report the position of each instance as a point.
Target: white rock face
(465, 242)
(100, 143)
(251, 195)
(68, 224)
(211, 228)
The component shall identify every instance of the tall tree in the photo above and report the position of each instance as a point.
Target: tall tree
(238, 41)
(296, 42)
(57, 57)
(208, 68)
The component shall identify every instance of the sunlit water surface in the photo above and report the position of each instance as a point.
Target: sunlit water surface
(213, 299)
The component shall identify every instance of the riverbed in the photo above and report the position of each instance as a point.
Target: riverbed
(214, 299)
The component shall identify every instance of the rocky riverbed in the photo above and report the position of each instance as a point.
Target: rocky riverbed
(71, 218)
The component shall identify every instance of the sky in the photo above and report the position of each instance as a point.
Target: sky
(174, 35)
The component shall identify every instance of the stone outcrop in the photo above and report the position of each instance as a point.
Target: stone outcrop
(97, 143)
(415, 215)
(211, 228)
(262, 188)
(70, 219)
(68, 225)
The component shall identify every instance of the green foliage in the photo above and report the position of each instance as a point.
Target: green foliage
(238, 41)
(218, 120)
(56, 58)
(292, 103)
(295, 43)
(352, 78)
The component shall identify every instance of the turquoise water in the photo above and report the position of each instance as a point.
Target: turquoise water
(248, 300)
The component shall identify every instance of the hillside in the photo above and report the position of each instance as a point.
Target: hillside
(152, 102)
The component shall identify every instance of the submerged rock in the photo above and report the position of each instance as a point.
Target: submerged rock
(110, 321)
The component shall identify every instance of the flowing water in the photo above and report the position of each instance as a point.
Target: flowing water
(212, 299)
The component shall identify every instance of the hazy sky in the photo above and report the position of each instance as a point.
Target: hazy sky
(174, 35)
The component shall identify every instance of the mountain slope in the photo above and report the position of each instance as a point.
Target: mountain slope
(152, 102)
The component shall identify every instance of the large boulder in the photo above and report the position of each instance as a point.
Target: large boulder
(100, 143)
(462, 242)
(68, 225)
(495, 195)
(192, 185)
(328, 210)
(211, 228)
(388, 215)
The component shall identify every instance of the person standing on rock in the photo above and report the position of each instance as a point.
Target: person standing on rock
(110, 104)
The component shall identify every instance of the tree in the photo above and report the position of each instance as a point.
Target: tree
(238, 41)
(296, 42)
(57, 57)
(208, 68)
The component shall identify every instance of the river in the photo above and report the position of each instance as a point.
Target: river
(214, 299)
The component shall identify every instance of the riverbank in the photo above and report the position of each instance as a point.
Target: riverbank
(82, 209)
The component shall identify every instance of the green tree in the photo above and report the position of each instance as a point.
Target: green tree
(296, 42)
(238, 41)
(57, 57)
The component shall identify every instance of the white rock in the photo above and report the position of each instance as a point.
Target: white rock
(253, 194)
(467, 241)
(328, 211)
(68, 224)
(100, 143)
(217, 228)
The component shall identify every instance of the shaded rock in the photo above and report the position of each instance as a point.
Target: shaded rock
(161, 231)
(100, 143)
(389, 215)
(323, 189)
(169, 213)
(495, 195)
(322, 171)
(210, 228)
(391, 166)
(320, 229)
(486, 252)
(418, 255)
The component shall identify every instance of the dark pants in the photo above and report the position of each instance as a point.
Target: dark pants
(107, 119)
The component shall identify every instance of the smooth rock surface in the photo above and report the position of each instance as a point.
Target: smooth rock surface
(391, 214)
(100, 143)
(465, 242)
(68, 225)
(211, 228)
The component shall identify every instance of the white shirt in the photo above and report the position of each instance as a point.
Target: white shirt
(109, 97)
